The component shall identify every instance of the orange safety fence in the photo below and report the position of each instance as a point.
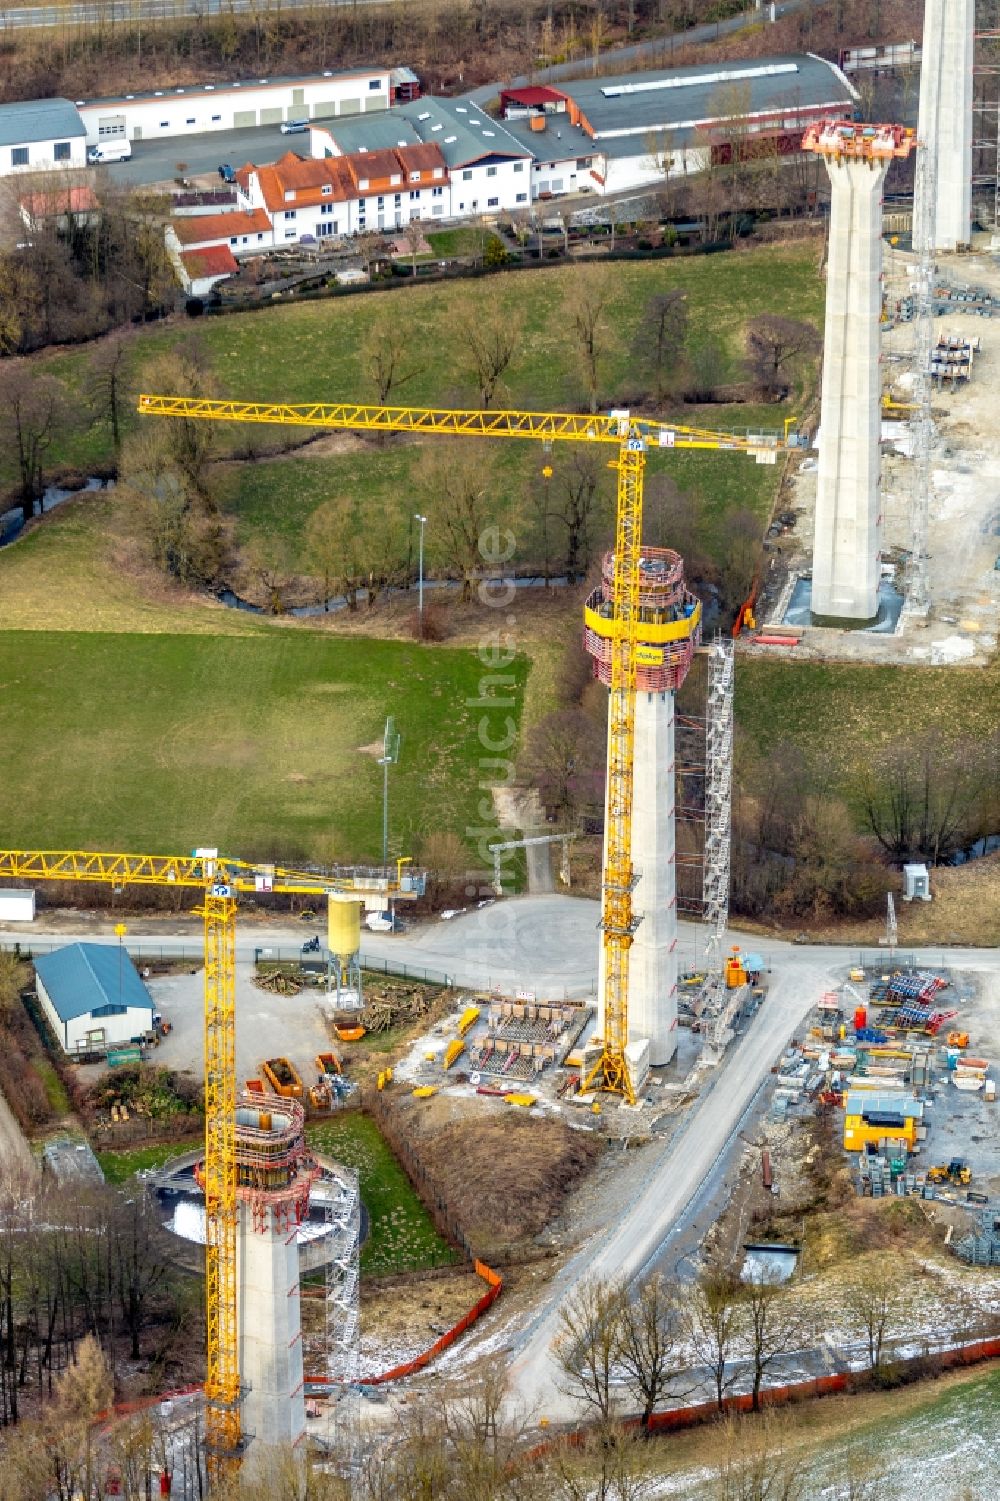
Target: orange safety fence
(494, 1287)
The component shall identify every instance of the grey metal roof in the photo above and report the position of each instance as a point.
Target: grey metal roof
(683, 98)
(276, 80)
(459, 129)
(870, 1102)
(39, 120)
(558, 142)
(84, 978)
(381, 131)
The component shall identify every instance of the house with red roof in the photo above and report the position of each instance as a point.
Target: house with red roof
(201, 269)
(318, 198)
(243, 232)
(63, 208)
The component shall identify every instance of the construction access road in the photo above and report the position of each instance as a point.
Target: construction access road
(549, 944)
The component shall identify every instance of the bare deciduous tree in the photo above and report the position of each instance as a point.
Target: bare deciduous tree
(774, 1327)
(587, 297)
(586, 1345)
(491, 335)
(714, 1323)
(924, 797)
(334, 549)
(454, 485)
(32, 407)
(758, 1464)
(775, 345)
(109, 385)
(385, 356)
(649, 1344)
(661, 337)
(575, 508)
(874, 1302)
(564, 758)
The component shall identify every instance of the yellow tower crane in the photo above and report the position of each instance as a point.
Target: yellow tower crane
(631, 437)
(221, 880)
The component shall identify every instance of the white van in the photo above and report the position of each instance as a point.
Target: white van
(109, 151)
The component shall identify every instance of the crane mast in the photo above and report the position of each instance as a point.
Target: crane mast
(618, 920)
(631, 436)
(221, 881)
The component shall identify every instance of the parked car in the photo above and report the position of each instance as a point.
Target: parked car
(226, 173)
(294, 127)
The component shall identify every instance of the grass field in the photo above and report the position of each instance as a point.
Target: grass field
(843, 716)
(256, 744)
(118, 1167)
(138, 716)
(939, 1434)
(309, 351)
(401, 1236)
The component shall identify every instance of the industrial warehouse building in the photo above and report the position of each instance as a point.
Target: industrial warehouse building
(629, 131)
(93, 997)
(196, 108)
(41, 135)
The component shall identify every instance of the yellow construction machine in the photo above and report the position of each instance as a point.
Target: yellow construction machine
(956, 1171)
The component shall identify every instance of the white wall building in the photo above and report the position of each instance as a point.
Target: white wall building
(17, 906)
(488, 171)
(93, 997)
(41, 135)
(341, 195)
(198, 108)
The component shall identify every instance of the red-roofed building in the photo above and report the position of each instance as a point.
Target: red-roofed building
(516, 103)
(242, 232)
(341, 195)
(64, 204)
(203, 268)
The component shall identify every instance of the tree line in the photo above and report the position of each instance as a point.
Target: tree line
(79, 1261)
(72, 276)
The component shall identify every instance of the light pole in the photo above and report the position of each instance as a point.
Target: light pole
(389, 757)
(120, 931)
(420, 575)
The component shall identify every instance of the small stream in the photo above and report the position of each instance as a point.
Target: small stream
(12, 522)
(12, 525)
(339, 601)
(988, 845)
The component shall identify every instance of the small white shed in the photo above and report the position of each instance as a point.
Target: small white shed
(916, 884)
(17, 906)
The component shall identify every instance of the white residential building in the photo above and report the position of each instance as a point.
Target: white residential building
(342, 195)
(488, 171)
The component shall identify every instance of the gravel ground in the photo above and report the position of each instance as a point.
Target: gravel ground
(266, 1024)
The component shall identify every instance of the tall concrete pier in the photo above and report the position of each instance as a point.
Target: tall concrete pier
(845, 572)
(669, 630)
(942, 209)
(274, 1174)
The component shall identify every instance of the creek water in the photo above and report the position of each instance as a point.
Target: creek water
(12, 522)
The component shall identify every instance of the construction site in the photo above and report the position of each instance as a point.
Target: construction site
(669, 1084)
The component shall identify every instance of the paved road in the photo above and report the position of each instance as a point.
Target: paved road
(642, 53)
(625, 1249)
(118, 12)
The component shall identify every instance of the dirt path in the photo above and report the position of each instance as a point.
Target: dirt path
(15, 1154)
